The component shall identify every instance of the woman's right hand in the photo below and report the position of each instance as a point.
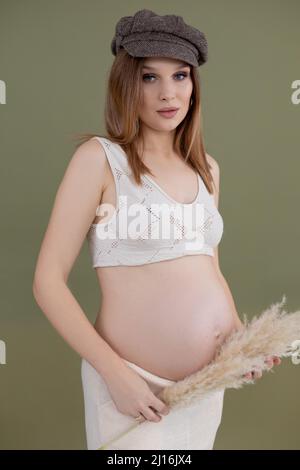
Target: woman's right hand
(257, 374)
(133, 396)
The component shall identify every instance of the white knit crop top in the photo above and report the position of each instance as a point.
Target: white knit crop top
(148, 225)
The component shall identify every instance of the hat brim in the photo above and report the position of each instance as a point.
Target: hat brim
(160, 49)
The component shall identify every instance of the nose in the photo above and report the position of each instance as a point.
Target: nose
(167, 98)
(166, 92)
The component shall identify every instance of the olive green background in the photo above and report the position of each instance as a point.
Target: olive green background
(54, 58)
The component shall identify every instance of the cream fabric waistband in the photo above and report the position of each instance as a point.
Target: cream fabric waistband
(156, 379)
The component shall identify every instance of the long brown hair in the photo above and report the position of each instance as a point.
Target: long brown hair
(124, 93)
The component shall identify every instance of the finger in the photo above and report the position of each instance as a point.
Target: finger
(160, 406)
(150, 414)
(257, 374)
(248, 375)
(269, 361)
(254, 374)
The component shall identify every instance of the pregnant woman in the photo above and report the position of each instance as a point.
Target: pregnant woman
(166, 306)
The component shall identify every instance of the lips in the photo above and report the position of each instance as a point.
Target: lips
(167, 109)
(168, 113)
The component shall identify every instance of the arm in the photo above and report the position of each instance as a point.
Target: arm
(74, 209)
(216, 182)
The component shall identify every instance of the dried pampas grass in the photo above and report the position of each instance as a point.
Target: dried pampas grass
(271, 334)
(245, 349)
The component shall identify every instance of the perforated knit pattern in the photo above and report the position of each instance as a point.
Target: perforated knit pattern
(110, 245)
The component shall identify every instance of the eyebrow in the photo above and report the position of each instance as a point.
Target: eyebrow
(154, 68)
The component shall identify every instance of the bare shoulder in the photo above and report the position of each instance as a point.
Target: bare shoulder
(91, 153)
(74, 209)
(89, 162)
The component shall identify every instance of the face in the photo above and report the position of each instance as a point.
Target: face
(165, 83)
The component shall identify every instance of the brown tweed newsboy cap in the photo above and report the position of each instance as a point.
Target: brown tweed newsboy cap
(147, 34)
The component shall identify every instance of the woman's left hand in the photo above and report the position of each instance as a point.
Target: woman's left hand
(257, 374)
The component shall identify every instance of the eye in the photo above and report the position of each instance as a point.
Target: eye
(184, 74)
(148, 75)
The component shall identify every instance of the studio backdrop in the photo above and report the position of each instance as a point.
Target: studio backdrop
(54, 62)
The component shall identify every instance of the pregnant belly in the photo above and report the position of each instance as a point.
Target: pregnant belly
(171, 335)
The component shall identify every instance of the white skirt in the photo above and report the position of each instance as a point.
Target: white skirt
(192, 427)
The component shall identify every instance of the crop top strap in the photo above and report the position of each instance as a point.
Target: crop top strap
(116, 157)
